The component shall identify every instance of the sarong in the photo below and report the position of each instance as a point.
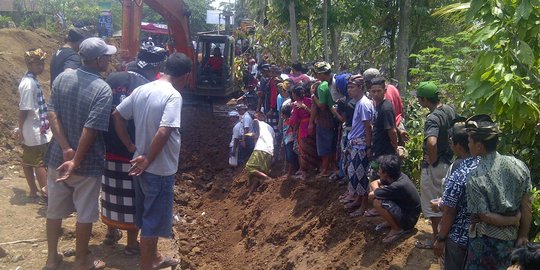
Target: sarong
(118, 196)
(488, 253)
(309, 160)
(356, 170)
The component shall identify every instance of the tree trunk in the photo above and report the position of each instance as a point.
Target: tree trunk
(334, 46)
(325, 30)
(403, 50)
(294, 33)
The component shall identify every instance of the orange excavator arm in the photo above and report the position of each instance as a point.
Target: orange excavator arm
(175, 14)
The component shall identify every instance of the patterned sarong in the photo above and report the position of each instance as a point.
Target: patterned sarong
(488, 253)
(118, 196)
(356, 169)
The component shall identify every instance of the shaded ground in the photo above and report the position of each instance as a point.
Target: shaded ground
(286, 225)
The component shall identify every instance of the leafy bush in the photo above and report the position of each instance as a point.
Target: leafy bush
(4, 21)
(534, 232)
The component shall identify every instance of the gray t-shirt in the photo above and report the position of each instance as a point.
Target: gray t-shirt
(151, 106)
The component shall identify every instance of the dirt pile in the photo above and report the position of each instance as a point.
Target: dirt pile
(287, 225)
(13, 44)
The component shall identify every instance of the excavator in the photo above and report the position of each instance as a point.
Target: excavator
(210, 75)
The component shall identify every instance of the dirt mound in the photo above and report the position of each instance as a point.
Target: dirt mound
(287, 225)
(13, 44)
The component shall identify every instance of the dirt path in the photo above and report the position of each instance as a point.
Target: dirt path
(24, 219)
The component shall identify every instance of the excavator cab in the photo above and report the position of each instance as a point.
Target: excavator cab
(214, 65)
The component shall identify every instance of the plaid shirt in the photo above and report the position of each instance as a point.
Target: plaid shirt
(81, 99)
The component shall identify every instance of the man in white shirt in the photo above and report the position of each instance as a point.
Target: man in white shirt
(237, 143)
(260, 160)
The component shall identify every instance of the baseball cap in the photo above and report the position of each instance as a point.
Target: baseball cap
(92, 48)
(321, 67)
(150, 57)
(371, 73)
(427, 90)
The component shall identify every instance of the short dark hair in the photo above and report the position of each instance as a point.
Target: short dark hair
(490, 145)
(177, 64)
(391, 165)
(527, 257)
(286, 110)
(376, 81)
(299, 90)
(459, 135)
(297, 66)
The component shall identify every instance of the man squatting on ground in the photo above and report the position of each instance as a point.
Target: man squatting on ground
(79, 111)
(155, 109)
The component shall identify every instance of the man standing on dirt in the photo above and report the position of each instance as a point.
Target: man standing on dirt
(155, 109)
(78, 112)
(118, 195)
(67, 57)
(437, 152)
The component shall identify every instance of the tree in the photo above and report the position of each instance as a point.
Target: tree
(402, 61)
(294, 33)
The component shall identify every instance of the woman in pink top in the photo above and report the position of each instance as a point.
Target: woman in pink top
(306, 142)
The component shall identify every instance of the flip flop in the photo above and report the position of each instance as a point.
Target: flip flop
(166, 262)
(394, 237)
(381, 226)
(371, 213)
(98, 264)
(357, 213)
(427, 244)
(128, 251)
(60, 260)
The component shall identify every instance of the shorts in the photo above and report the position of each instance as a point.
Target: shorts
(77, 194)
(406, 221)
(33, 155)
(431, 187)
(259, 161)
(325, 141)
(154, 196)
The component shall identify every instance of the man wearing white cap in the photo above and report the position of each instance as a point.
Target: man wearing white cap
(79, 111)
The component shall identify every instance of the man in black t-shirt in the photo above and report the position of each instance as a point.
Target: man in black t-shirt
(67, 56)
(395, 198)
(437, 152)
(385, 140)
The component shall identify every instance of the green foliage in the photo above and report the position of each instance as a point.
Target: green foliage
(534, 232)
(505, 80)
(4, 21)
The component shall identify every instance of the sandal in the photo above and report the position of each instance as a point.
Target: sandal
(381, 227)
(59, 259)
(371, 213)
(166, 262)
(357, 213)
(427, 244)
(112, 239)
(393, 237)
(98, 264)
(129, 251)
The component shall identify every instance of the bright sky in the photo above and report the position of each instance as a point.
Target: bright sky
(216, 3)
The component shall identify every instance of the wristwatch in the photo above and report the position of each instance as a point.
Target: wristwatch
(441, 238)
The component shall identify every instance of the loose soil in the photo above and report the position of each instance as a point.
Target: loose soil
(285, 225)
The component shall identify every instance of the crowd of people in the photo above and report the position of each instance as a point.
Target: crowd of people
(117, 140)
(350, 128)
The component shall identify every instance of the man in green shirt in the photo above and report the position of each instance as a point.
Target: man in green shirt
(500, 185)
